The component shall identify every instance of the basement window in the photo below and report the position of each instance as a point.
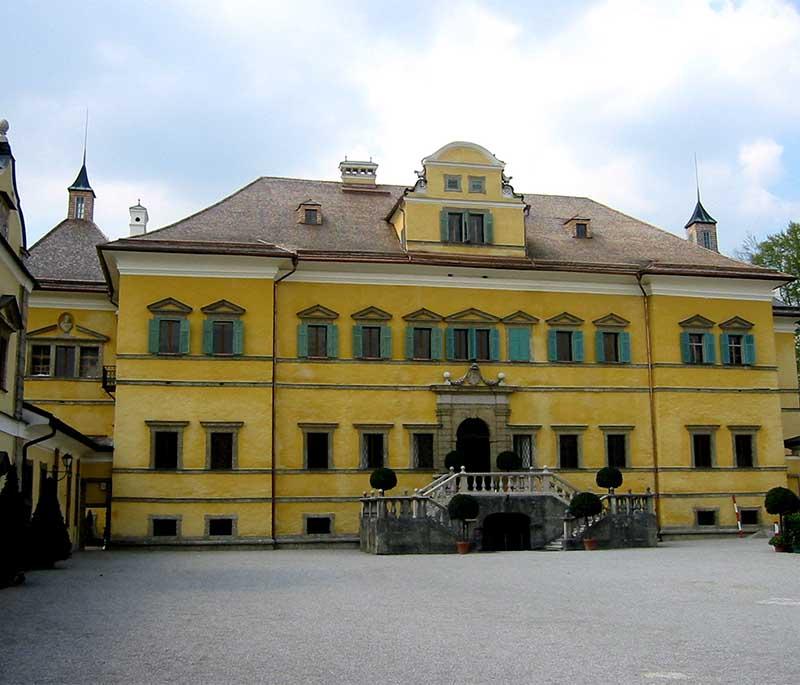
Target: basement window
(220, 527)
(706, 517)
(749, 517)
(318, 525)
(165, 528)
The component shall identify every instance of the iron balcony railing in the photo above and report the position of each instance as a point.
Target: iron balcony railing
(109, 378)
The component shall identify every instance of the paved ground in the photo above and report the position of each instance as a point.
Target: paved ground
(724, 611)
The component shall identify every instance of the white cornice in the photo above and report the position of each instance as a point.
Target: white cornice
(202, 265)
(710, 288)
(66, 300)
(788, 326)
(456, 201)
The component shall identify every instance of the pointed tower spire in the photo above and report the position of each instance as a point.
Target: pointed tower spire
(701, 228)
(81, 195)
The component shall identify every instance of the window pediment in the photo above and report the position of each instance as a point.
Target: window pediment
(223, 307)
(472, 315)
(77, 333)
(371, 314)
(520, 317)
(697, 321)
(318, 312)
(611, 321)
(565, 319)
(737, 323)
(169, 305)
(423, 314)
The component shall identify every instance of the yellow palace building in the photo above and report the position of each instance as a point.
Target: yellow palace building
(254, 362)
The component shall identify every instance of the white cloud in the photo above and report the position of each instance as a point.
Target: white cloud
(760, 160)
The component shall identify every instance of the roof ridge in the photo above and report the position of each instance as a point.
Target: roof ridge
(89, 223)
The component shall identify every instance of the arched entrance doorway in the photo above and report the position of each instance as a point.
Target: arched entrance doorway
(472, 440)
(506, 532)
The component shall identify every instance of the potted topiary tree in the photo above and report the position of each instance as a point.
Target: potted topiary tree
(781, 543)
(781, 501)
(455, 460)
(609, 477)
(463, 508)
(48, 538)
(509, 461)
(584, 505)
(383, 479)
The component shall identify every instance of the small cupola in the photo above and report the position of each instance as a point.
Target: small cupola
(358, 173)
(309, 213)
(580, 227)
(701, 228)
(81, 196)
(139, 219)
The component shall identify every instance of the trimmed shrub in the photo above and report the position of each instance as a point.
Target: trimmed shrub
(792, 531)
(461, 508)
(49, 538)
(781, 501)
(383, 479)
(609, 477)
(12, 526)
(584, 505)
(509, 461)
(455, 460)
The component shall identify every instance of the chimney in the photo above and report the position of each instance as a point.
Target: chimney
(361, 174)
(138, 219)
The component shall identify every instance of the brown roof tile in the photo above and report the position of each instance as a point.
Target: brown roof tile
(68, 253)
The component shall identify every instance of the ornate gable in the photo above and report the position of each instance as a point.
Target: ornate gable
(738, 323)
(564, 319)
(472, 315)
(423, 315)
(611, 321)
(697, 321)
(74, 333)
(371, 314)
(319, 312)
(169, 305)
(223, 307)
(520, 317)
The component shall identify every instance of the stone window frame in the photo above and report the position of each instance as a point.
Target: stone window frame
(159, 426)
(577, 429)
(624, 430)
(752, 431)
(450, 177)
(413, 429)
(715, 510)
(307, 428)
(711, 430)
(372, 428)
(178, 518)
(234, 518)
(321, 536)
(53, 343)
(476, 184)
(759, 517)
(532, 431)
(223, 427)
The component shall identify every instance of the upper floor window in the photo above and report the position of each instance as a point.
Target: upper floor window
(697, 348)
(4, 219)
(372, 341)
(423, 450)
(477, 184)
(452, 183)
(80, 207)
(705, 239)
(223, 329)
(166, 444)
(169, 336)
(40, 360)
(738, 349)
(64, 361)
(565, 345)
(464, 226)
(613, 346)
(480, 344)
(581, 230)
(744, 450)
(169, 329)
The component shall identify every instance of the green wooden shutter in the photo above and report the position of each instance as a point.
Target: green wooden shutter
(450, 343)
(599, 349)
(153, 336)
(519, 344)
(386, 342)
(488, 228)
(494, 344)
(552, 345)
(577, 346)
(749, 349)
(238, 337)
(184, 336)
(436, 343)
(302, 340)
(625, 347)
(357, 341)
(208, 336)
(332, 337)
(410, 342)
(443, 225)
(464, 227)
(472, 343)
(724, 349)
(709, 352)
(686, 353)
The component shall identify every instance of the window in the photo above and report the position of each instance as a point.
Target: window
(744, 453)
(475, 223)
(422, 343)
(616, 450)
(423, 450)
(455, 222)
(221, 458)
(610, 347)
(749, 517)
(706, 517)
(164, 528)
(89, 362)
(523, 447)
(220, 526)
(4, 214)
(519, 343)
(165, 446)
(482, 351)
(735, 350)
(461, 344)
(80, 207)
(372, 450)
(452, 183)
(568, 451)
(371, 342)
(738, 349)
(310, 216)
(65, 361)
(702, 450)
(40, 360)
(564, 346)
(317, 450)
(317, 340)
(696, 348)
(318, 525)
(581, 230)
(705, 239)
(477, 184)
(222, 337)
(169, 336)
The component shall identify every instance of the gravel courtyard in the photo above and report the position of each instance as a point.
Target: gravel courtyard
(724, 611)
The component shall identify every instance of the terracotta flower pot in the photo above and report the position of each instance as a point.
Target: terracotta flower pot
(779, 548)
(589, 544)
(462, 547)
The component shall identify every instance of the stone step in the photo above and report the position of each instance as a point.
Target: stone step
(554, 545)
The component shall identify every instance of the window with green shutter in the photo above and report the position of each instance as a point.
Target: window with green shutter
(168, 336)
(564, 345)
(466, 226)
(519, 344)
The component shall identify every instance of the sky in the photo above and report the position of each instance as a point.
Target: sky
(190, 100)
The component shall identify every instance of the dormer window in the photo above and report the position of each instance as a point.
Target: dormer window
(580, 227)
(581, 231)
(309, 213)
(473, 227)
(452, 184)
(310, 216)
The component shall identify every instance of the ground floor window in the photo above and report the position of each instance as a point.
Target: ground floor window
(166, 450)
(220, 526)
(319, 525)
(221, 451)
(616, 450)
(523, 447)
(706, 517)
(317, 450)
(749, 517)
(568, 450)
(372, 450)
(702, 450)
(423, 450)
(164, 527)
